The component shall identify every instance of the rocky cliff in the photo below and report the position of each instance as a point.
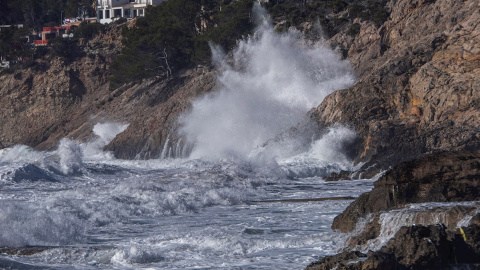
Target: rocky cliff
(422, 214)
(417, 90)
(414, 107)
(418, 86)
(57, 97)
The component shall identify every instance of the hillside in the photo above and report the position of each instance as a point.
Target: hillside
(415, 107)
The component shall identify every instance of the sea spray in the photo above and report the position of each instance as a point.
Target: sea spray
(269, 85)
(326, 155)
(105, 133)
(71, 156)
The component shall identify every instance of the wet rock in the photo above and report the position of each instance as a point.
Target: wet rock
(419, 95)
(438, 177)
(414, 247)
(420, 247)
(341, 261)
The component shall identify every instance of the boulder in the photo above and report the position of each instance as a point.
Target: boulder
(437, 177)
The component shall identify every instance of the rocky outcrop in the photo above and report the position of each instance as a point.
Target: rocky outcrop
(417, 91)
(153, 109)
(415, 247)
(56, 98)
(419, 82)
(422, 214)
(441, 177)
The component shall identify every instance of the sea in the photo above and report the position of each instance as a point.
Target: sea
(243, 189)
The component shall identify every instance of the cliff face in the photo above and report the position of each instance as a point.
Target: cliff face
(57, 98)
(54, 97)
(419, 83)
(417, 91)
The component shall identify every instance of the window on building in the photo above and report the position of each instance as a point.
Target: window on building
(100, 14)
(50, 35)
(107, 14)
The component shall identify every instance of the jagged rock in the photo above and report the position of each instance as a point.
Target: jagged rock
(55, 98)
(414, 247)
(42, 106)
(383, 225)
(438, 177)
(340, 261)
(154, 129)
(420, 247)
(418, 89)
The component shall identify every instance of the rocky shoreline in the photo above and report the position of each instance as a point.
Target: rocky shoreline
(415, 109)
(422, 214)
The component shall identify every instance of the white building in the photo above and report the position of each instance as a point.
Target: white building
(109, 10)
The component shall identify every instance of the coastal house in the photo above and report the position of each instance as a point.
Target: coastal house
(109, 10)
(49, 33)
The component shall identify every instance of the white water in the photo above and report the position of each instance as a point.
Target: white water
(82, 209)
(267, 88)
(84, 213)
(451, 214)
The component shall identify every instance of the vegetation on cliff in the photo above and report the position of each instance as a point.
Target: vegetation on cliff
(175, 35)
(294, 13)
(36, 14)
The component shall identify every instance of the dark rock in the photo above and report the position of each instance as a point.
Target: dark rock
(415, 247)
(420, 247)
(340, 260)
(342, 175)
(438, 177)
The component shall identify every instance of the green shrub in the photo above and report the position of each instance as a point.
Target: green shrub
(89, 30)
(64, 47)
(353, 30)
(169, 37)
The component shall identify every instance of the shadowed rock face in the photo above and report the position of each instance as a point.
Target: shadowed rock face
(415, 247)
(380, 213)
(441, 177)
(419, 82)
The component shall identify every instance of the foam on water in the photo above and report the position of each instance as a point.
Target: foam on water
(25, 225)
(326, 155)
(71, 156)
(105, 133)
(93, 211)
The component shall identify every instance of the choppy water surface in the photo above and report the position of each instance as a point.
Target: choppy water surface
(162, 214)
(79, 208)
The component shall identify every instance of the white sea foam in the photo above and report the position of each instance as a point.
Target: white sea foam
(274, 80)
(23, 224)
(451, 214)
(20, 154)
(326, 155)
(71, 156)
(99, 212)
(105, 133)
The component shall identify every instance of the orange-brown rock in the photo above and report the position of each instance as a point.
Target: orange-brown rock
(419, 82)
